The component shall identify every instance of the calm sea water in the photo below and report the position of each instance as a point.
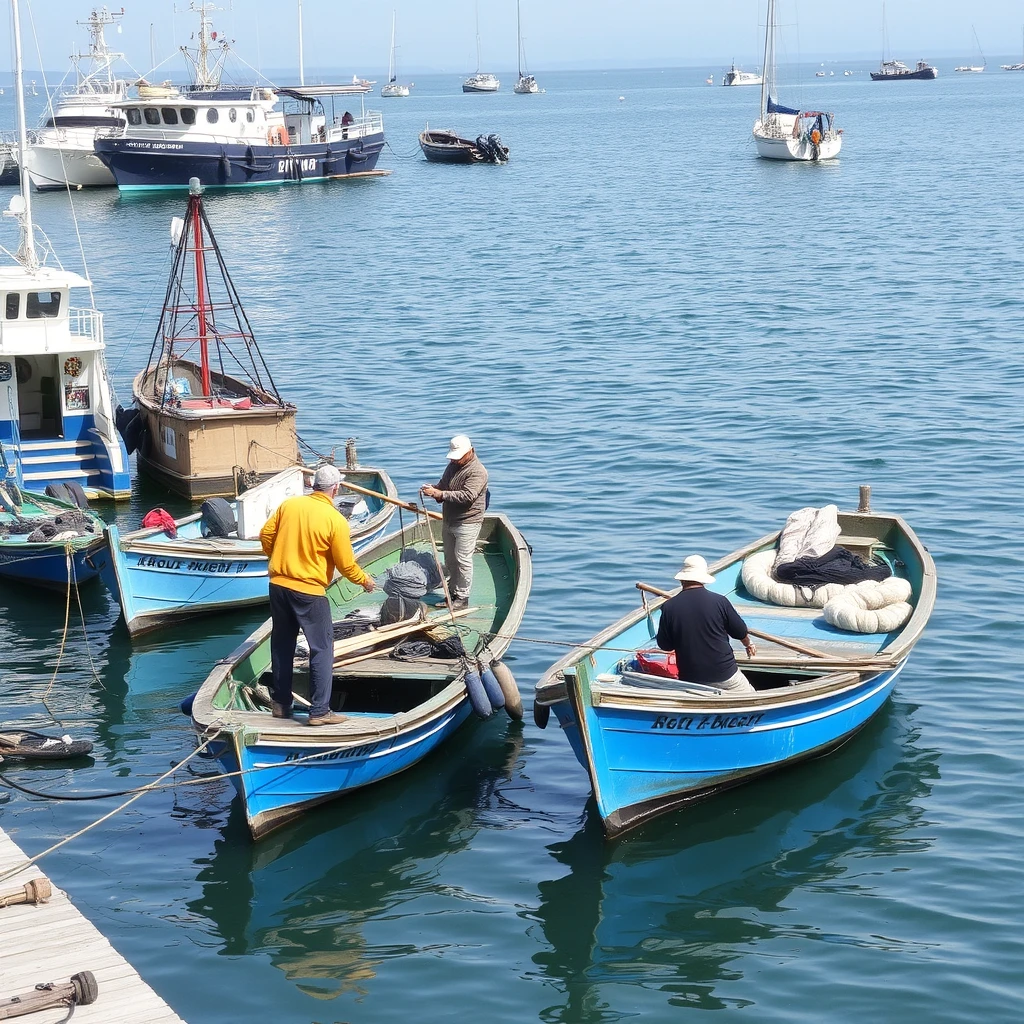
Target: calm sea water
(660, 345)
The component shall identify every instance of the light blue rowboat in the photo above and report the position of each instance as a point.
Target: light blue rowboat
(651, 745)
(158, 579)
(398, 711)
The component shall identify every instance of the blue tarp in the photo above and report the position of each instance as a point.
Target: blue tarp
(776, 108)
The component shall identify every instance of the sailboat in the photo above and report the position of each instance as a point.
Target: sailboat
(480, 81)
(525, 83)
(56, 411)
(205, 431)
(394, 88)
(975, 68)
(787, 133)
(62, 151)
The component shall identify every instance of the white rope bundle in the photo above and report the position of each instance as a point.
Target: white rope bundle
(758, 580)
(871, 606)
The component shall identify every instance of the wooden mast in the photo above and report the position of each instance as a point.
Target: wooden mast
(195, 202)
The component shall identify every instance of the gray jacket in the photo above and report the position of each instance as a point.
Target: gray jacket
(464, 492)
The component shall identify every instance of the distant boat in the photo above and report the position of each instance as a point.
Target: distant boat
(203, 426)
(736, 77)
(480, 81)
(525, 83)
(895, 70)
(651, 743)
(710, 80)
(445, 147)
(787, 133)
(394, 88)
(1015, 67)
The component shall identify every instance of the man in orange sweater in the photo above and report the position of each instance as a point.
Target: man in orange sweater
(306, 539)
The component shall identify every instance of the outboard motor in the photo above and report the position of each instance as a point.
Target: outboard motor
(500, 152)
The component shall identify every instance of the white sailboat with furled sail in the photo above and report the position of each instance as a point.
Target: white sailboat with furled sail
(788, 133)
(393, 89)
(525, 83)
(480, 81)
(213, 419)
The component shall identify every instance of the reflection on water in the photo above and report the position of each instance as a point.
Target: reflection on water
(675, 905)
(306, 894)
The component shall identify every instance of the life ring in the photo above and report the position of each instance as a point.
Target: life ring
(278, 136)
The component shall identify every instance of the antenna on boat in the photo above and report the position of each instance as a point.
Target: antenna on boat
(20, 207)
(302, 70)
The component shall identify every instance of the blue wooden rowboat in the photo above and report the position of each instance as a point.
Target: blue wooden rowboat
(76, 551)
(398, 711)
(650, 746)
(158, 579)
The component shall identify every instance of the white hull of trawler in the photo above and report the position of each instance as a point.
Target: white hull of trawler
(773, 145)
(72, 162)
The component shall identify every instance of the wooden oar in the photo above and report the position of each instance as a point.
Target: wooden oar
(408, 506)
(351, 644)
(781, 641)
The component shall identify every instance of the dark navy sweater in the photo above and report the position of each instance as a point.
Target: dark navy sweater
(697, 624)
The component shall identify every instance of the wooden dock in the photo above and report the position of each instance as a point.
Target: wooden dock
(50, 942)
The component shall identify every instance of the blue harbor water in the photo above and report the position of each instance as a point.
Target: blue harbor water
(660, 345)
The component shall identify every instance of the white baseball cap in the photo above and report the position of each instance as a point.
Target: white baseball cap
(695, 570)
(459, 446)
(326, 477)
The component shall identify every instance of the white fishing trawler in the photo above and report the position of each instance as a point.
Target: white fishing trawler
(56, 410)
(61, 152)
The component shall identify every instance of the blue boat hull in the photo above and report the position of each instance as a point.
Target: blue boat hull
(645, 762)
(280, 780)
(46, 565)
(142, 165)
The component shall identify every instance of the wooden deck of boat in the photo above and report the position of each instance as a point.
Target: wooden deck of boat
(49, 942)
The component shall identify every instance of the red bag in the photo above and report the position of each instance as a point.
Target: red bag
(658, 663)
(162, 518)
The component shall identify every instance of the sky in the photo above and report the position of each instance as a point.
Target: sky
(439, 35)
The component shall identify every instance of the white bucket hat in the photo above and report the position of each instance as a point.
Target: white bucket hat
(695, 570)
(459, 446)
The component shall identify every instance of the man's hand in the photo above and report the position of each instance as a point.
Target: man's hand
(751, 649)
(369, 586)
(431, 492)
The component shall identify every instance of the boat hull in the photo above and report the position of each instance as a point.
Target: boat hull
(52, 167)
(46, 565)
(141, 165)
(159, 580)
(924, 75)
(643, 763)
(780, 148)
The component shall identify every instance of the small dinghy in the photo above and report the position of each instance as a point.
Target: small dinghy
(38, 746)
(445, 147)
(401, 700)
(652, 743)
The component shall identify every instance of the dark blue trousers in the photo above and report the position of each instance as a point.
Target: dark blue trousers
(290, 612)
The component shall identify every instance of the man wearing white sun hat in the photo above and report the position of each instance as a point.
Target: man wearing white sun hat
(462, 494)
(697, 624)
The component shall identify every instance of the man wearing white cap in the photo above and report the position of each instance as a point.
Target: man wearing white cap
(462, 494)
(305, 540)
(697, 624)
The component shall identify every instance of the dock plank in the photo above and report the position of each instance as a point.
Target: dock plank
(51, 941)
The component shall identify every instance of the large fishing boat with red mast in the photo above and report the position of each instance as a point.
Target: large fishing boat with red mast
(206, 431)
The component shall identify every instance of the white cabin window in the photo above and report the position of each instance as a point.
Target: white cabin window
(170, 115)
(188, 115)
(212, 115)
(232, 115)
(13, 306)
(134, 115)
(152, 115)
(42, 304)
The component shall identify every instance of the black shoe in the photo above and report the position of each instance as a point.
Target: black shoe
(459, 603)
(280, 711)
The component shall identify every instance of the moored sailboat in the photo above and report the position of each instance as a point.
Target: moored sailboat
(480, 81)
(525, 83)
(393, 88)
(203, 427)
(787, 133)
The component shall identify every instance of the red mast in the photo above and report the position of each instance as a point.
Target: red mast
(195, 199)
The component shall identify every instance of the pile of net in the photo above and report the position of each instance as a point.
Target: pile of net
(809, 570)
(406, 584)
(39, 529)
